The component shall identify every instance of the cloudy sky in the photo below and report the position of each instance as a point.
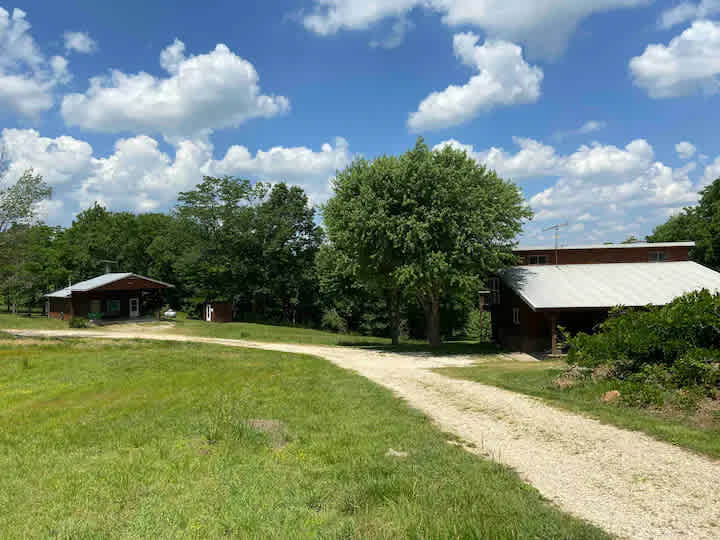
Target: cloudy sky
(605, 112)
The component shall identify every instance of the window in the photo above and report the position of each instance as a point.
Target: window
(537, 259)
(656, 256)
(113, 306)
(516, 315)
(494, 286)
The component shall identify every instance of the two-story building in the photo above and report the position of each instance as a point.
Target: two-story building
(575, 287)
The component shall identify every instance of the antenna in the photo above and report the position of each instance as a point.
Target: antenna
(107, 264)
(556, 228)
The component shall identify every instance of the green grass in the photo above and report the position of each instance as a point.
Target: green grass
(133, 439)
(37, 322)
(271, 333)
(535, 379)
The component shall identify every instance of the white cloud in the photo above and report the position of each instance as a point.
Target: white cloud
(609, 186)
(591, 126)
(545, 26)
(139, 176)
(712, 172)
(689, 64)
(504, 78)
(685, 149)
(80, 42)
(27, 77)
(204, 92)
(60, 161)
(399, 30)
(688, 11)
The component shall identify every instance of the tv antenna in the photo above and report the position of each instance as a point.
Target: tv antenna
(556, 228)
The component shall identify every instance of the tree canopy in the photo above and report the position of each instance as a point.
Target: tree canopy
(424, 224)
(700, 224)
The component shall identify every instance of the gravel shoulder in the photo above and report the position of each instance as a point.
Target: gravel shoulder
(625, 482)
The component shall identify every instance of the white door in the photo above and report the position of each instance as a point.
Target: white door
(134, 307)
(208, 312)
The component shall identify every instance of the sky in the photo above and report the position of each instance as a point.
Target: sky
(604, 112)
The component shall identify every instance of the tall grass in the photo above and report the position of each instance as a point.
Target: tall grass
(167, 440)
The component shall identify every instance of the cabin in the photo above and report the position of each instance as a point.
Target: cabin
(109, 296)
(218, 312)
(576, 286)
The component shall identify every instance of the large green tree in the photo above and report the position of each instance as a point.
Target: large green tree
(427, 224)
(700, 224)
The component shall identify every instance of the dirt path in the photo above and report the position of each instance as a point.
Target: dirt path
(623, 481)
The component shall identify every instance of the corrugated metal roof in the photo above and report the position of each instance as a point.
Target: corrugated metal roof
(610, 246)
(99, 281)
(608, 285)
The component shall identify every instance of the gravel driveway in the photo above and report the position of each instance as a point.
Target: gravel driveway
(625, 482)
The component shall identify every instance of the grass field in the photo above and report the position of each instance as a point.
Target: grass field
(133, 439)
(35, 322)
(273, 333)
(696, 432)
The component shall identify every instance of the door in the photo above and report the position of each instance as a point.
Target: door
(134, 307)
(208, 312)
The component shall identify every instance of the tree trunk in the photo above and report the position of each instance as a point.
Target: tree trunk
(431, 306)
(394, 305)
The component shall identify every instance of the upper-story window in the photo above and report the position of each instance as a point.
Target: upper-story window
(656, 256)
(537, 259)
(516, 315)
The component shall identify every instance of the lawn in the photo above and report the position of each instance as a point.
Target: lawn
(694, 431)
(273, 333)
(37, 322)
(137, 439)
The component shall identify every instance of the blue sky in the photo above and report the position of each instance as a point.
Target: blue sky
(605, 112)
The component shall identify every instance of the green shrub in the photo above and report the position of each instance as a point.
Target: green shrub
(699, 367)
(79, 322)
(479, 326)
(332, 321)
(664, 352)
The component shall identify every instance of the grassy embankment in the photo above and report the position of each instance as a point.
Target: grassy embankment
(698, 430)
(141, 439)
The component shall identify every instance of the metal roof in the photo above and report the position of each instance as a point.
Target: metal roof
(96, 282)
(606, 285)
(610, 246)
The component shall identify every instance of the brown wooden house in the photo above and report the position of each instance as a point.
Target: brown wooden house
(575, 287)
(116, 295)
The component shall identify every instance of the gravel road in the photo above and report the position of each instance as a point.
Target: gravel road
(623, 481)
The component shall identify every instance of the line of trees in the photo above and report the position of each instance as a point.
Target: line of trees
(408, 243)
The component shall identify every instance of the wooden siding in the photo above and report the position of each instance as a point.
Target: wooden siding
(60, 308)
(606, 255)
(130, 284)
(221, 312)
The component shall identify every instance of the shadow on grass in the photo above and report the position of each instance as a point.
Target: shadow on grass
(448, 348)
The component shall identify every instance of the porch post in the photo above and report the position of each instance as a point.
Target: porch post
(553, 330)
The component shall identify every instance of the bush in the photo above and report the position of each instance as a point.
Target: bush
(331, 320)
(479, 326)
(658, 351)
(79, 322)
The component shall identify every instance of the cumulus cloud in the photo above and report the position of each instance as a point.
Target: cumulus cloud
(27, 77)
(545, 27)
(610, 186)
(504, 78)
(80, 42)
(688, 11)
(140, 176)
(204, 92)
(685, 150)
(689, 64)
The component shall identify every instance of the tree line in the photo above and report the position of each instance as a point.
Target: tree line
(406, 245)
